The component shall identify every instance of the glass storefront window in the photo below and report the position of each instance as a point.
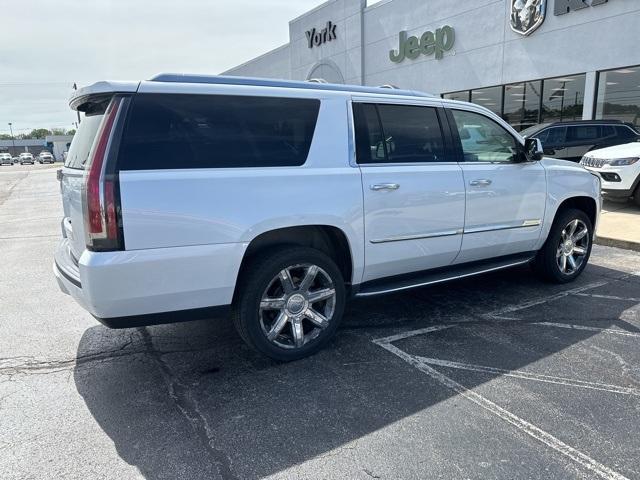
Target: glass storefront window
(522, 104)
(490, 98)
(563, 98)
(463, 96)
(619, 95)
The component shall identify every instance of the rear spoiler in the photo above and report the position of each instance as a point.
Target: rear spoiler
(100, 89)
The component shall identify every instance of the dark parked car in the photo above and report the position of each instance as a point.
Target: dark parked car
(571, 140)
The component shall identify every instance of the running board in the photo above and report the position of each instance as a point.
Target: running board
(439, 275)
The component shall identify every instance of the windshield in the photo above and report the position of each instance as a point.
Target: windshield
(533, 129)
(83, 140)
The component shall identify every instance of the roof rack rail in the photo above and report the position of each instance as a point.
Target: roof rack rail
(269, 82)
(587, 122)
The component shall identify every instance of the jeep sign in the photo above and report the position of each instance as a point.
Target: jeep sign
(317, 38)
(429, 43)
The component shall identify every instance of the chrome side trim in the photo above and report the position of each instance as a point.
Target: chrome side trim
(442, 280)
(446, 233)
(491, 228)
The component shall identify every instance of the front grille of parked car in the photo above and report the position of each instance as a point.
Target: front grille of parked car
(593, 162)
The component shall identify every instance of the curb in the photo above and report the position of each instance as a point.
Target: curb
(618, 243)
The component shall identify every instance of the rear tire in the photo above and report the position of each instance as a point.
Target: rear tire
(289, 303)
(566, 252)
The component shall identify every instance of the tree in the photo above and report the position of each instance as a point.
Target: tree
(5, 136)
(38, 133)
(71, 132)
(58, 131)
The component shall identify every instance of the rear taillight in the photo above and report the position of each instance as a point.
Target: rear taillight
(100, 193)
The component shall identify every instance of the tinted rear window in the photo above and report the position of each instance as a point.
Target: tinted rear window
(83, 139)
(216, 131)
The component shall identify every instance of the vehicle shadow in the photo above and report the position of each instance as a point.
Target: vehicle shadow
(191, 401)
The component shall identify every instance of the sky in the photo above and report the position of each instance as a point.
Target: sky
(46, 46)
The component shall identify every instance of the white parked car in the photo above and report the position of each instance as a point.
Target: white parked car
(45, 157)
(279, 200)
(619, 168)
(26, 158)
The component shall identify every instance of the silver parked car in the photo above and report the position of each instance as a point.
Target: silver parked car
(5, 159)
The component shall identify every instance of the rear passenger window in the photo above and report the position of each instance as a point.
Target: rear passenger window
(607, 131)
(216, 131)
(585, 133)
(398, 134)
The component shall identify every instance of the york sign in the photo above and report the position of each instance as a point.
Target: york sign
(318, 37)
(429, 43)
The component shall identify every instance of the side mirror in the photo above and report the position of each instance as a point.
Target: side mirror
(533, 149)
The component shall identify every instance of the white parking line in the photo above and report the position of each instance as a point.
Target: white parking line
(498, 314)
(521, 424)
(608, 297)
(413, 333)
(612, 331)
(538, 377)
(526, 427)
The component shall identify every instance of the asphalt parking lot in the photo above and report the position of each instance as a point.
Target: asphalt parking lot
(498, 376)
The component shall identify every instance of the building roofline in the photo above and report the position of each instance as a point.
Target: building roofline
(281, 47)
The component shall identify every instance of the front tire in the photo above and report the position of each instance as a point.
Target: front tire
(289, 303)
(636, 196)
(566, 252)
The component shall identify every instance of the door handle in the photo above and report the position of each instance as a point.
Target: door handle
(483, 182)
(385, 186)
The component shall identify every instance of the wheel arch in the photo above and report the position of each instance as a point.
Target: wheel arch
(586, 204)
(329, 239)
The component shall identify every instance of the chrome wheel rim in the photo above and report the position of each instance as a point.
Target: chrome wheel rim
(297, 305)
(573, 247)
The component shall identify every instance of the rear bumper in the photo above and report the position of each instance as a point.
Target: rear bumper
(145, 287)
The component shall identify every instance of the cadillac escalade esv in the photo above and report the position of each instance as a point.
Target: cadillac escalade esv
(277, 201)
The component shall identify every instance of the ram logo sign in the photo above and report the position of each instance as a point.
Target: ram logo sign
(527, 15)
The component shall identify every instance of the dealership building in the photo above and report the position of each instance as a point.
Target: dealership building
(530, 61)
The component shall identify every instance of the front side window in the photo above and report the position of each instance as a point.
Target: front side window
(556, 136)
(216, 131)
(484, 140)
(398, 134)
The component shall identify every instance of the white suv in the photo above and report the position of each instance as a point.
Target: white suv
(279, 200)
(619, 168)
